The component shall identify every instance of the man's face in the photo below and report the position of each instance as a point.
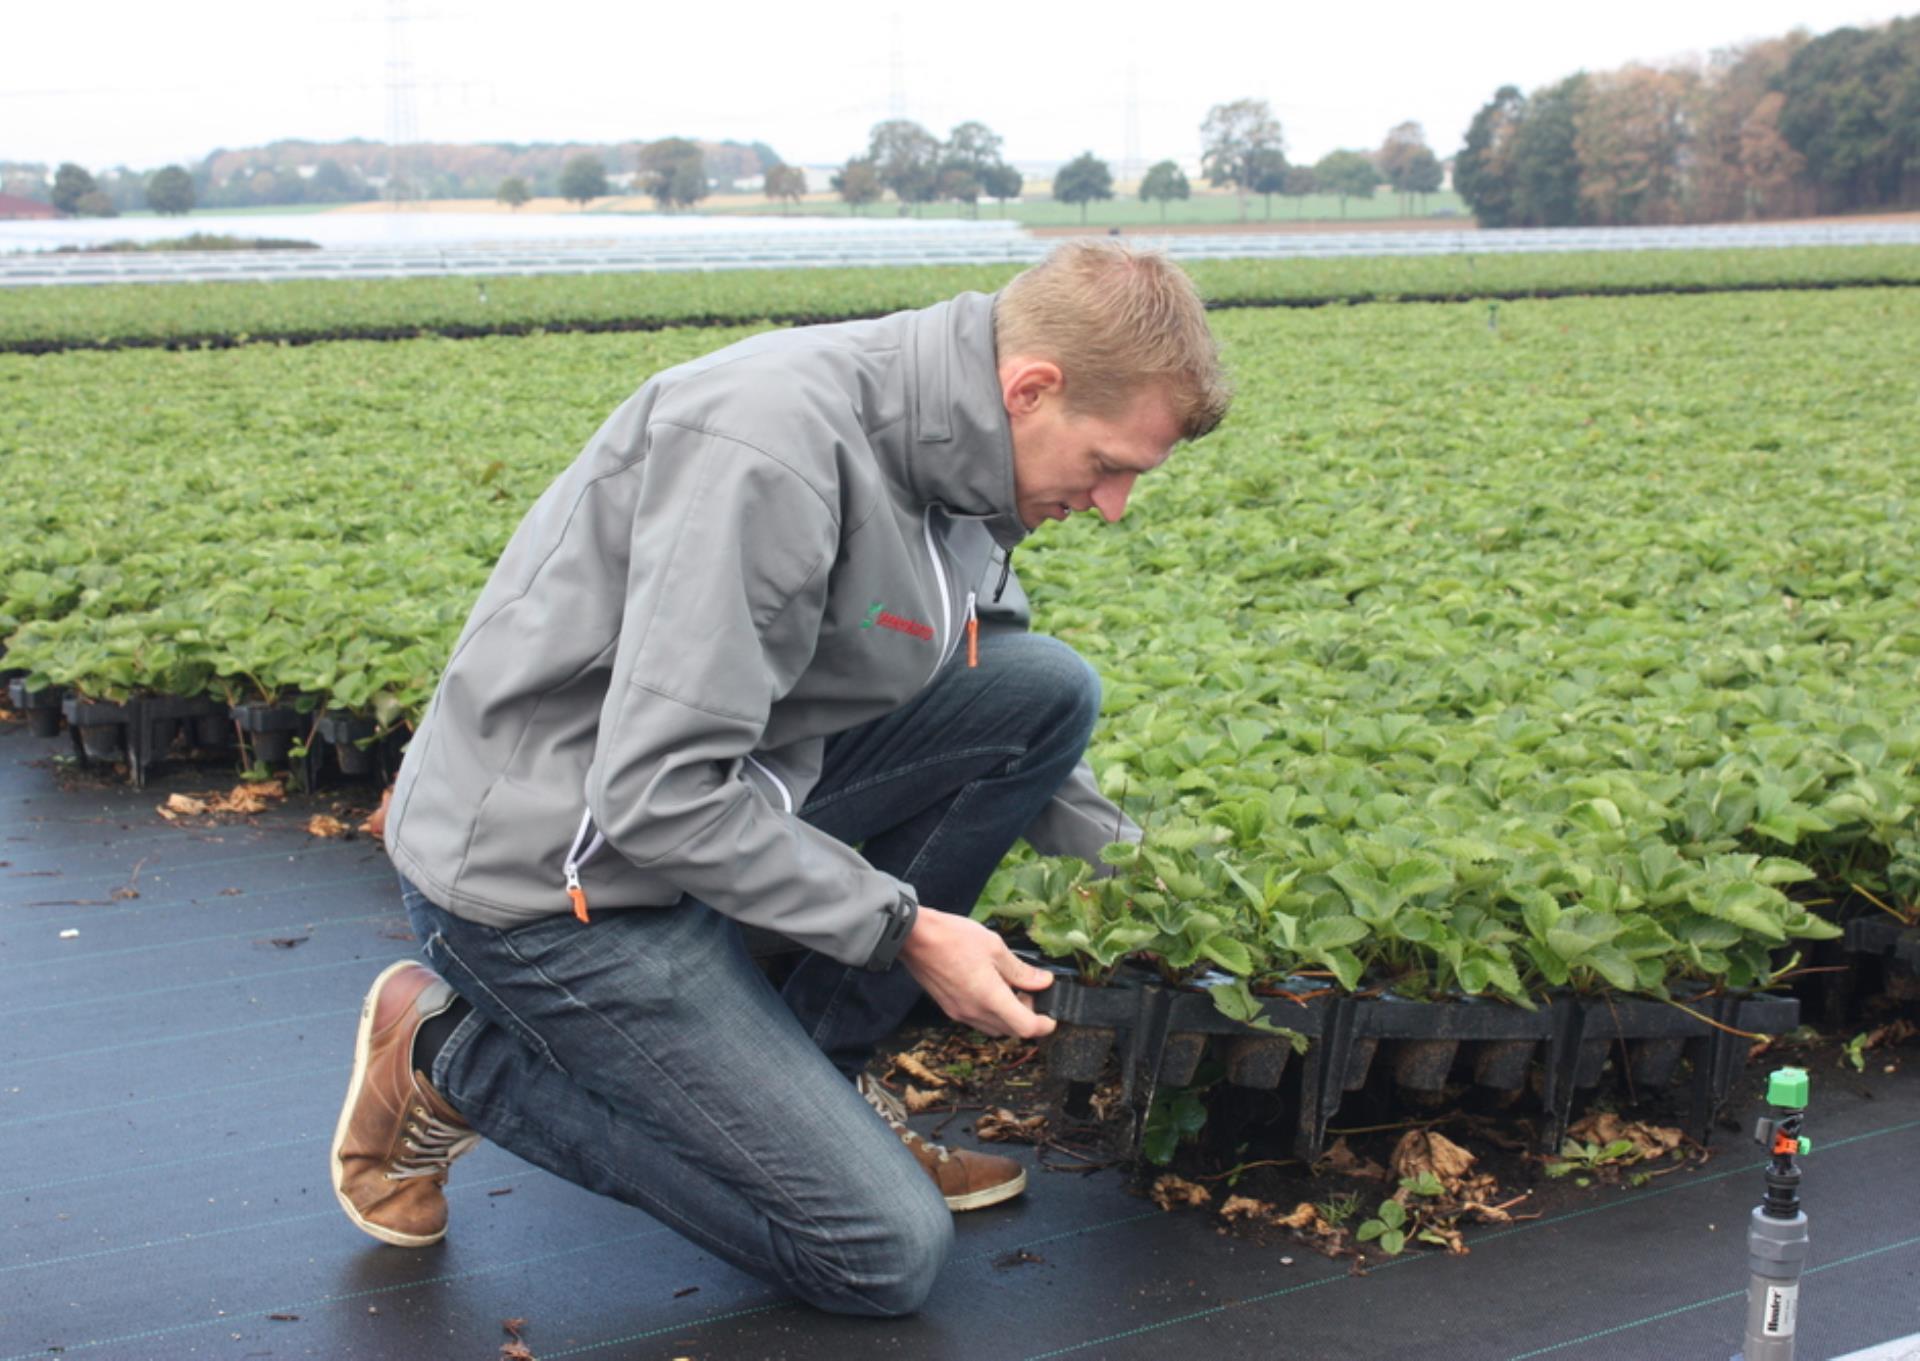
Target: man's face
(1065, 460)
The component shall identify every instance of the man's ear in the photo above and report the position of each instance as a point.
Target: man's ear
(1026, 383)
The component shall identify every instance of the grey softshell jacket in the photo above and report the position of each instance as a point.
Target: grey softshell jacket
(760, 548)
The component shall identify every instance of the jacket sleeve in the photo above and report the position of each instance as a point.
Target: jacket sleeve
(726, 589)
(1079, 820)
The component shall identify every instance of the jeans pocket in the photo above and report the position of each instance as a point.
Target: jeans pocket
(485, 999)
(628, 963)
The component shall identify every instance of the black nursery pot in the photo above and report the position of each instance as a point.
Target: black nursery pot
(102, 727)
(42, 707)
(162, 734)
(344, 733)
(271, 728)
(104, 741)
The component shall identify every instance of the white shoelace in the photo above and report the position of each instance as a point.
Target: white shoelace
(894, 1111)
(433, 1144)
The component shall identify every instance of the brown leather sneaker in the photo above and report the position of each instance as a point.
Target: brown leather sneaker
(397, 1135)
(968, 1180)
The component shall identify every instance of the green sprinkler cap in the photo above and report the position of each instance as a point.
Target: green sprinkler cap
(1806, 1145)
(1787, 1087)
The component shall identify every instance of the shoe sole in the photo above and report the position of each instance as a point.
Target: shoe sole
(991, 1195)
(362, 1052)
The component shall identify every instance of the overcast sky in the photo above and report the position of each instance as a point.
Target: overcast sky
(107, 82)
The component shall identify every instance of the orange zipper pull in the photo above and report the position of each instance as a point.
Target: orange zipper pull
(576, 894)
(973, 631)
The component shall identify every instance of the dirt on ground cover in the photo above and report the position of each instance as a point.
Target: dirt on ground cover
(1472, 1159)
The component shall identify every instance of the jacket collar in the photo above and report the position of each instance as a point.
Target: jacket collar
(960, 454)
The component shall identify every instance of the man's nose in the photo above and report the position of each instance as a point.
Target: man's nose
(1110, 496)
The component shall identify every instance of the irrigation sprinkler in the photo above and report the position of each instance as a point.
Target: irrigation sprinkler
(1777, 1239)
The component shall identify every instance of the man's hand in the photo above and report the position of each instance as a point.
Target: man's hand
(971, 975)
(376, 824)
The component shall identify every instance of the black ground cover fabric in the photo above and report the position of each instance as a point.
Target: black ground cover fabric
(169, 1079)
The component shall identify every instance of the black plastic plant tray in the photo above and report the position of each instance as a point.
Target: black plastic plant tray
(42, 707)
(269, 718)
(159, 720)
(1161, 1032)
(139, 732)
(1877, 957)
(1897, 944)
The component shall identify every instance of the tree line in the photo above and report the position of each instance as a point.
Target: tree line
(1242, 148)
(296, 172)
(1777, 128)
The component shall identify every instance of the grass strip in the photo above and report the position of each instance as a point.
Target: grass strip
(225, 314)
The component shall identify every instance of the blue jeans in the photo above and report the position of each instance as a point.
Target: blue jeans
(646, 1057)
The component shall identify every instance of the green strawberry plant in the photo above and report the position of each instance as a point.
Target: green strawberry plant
(1580, 655)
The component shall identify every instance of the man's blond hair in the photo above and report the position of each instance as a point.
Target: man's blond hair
(1116, 320)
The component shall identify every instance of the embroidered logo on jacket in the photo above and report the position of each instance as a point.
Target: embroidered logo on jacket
(878, 616)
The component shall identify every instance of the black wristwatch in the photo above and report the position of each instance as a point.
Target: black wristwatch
(899, 916)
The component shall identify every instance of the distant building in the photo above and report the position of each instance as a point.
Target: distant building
(12, 205)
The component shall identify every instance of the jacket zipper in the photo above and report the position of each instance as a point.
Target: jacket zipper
(786, 795)
(950, 637)
(947, 635)
(588, 842)
(590, 838)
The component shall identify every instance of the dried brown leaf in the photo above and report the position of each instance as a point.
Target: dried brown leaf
(914, 1068)
(1305, 1217)
(919, 1101)
(249, 798)
(1246, 1207)
(1001, 1125)
(1345, 1161)
(243, 799)
(1494, 1214)
(516, 1350)
(1106, 1102)
(1425, 1150)
(1888, 1035)
(322, 825)
(1604, 1127)
(1170, 1191)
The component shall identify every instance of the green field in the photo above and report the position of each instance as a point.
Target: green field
(1481, 650)
(105, 314)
